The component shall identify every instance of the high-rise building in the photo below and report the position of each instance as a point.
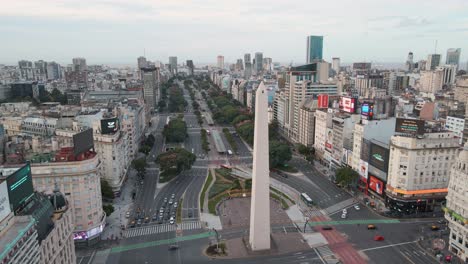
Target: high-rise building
(453, 57)
(150, 86)
(79, 64)
(267, 64)
(449, 73)
(258, 64)
(431, 81)
(409, 62)
(19, 240)
(314, 48)
(433, 61)
(54, 71)
(306, 122)
(323, 136)
(26, 70)
(173, 65)
(142, 63)
(419, 170)
(239, 65)
(220, 62)
(456, 210)
(247, 59)
(248, 70)
(190, 66)
(336, 65)
(40, 70)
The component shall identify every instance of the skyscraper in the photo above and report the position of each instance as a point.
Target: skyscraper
(246, 58)
(79, 64)
(336, 65)
(433, 60)
(409, 62)
(150, 85)
(314, 48)
(258, 65)
(54, 71)
(453, 56)
(173, 65)
(142, 63)
(220, 61)
(190, 66)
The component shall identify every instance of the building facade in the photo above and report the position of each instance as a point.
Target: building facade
(419, 168)
(314, 49)
(456, 210)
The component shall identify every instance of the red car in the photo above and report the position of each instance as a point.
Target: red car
(379, 238)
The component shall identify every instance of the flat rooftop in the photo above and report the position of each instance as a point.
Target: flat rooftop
(15, 232)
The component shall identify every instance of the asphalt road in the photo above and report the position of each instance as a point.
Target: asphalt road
(190, 209)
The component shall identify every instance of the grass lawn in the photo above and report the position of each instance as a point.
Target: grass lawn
(205, 187)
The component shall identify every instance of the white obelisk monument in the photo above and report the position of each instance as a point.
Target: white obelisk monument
(260, 205)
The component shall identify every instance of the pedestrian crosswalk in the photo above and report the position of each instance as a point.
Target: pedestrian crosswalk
(326, 254)
(156, 229)
(312, 213)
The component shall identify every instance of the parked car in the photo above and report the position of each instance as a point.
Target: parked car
(379, 238)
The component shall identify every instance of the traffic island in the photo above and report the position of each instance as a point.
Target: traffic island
(216, 250)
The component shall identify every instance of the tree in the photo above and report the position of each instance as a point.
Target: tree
(108, 209)
(346, 176)
(175, 131)
(139, 165)
(106, 189)
(239, 119)
(246, 131)
(280, 153)
(145, 149)
(179, 159)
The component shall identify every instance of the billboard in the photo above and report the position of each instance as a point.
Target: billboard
(376, 185)
(322, 101)
(4, 201)
(348, 104)
(83, 142)
(329, 140)
(367, 109)
(363, 169)
(110, 125)
(379, 157)
(20, 186)
(410, 126)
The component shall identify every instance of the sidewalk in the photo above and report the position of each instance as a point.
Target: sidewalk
(122, 205)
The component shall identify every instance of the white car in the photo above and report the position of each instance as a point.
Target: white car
(357, 207)
(343, 216)
(175, 205)
(345, 211)
(171, 220)
(127, 215)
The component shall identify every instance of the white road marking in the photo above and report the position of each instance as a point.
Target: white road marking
(386, 246)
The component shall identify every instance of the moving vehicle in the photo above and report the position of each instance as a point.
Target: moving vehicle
(345, 211)
(161, 210)
(379, 238)
(229, 152)
(173, 247)
(175, 205)
(132, 223)
(306, 199)
(171, 201)
(371, 227)
(357, 207)
(138, 222)
(435, 228)
(147, 219)
(208, 132)
(343, 216)
(127, 215)
(165, 199)
(171, 220)
(155, 217)
(327, 228)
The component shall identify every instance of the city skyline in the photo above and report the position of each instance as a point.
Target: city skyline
(126, 29)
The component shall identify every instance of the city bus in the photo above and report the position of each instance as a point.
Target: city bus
(306, 199)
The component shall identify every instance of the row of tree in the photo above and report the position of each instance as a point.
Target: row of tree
(178, 159)
(176, 130)
(177, 102)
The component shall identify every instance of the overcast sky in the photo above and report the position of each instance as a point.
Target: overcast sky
(117, 31)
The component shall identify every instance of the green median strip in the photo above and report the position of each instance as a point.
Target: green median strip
(354, 222)
(160, 242)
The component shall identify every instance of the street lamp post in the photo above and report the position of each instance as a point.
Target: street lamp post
(217, 239)
(305, 224)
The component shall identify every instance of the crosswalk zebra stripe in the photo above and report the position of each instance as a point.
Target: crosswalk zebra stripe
(155, 229)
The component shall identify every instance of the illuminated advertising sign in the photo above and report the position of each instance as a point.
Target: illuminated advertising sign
(5, 209)
(20, 186)
(379, 157)
(410, 126)
(376, 185)
(363, 169)
(322, 101)
(367, 109)
(109, 125)
(348, 104)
